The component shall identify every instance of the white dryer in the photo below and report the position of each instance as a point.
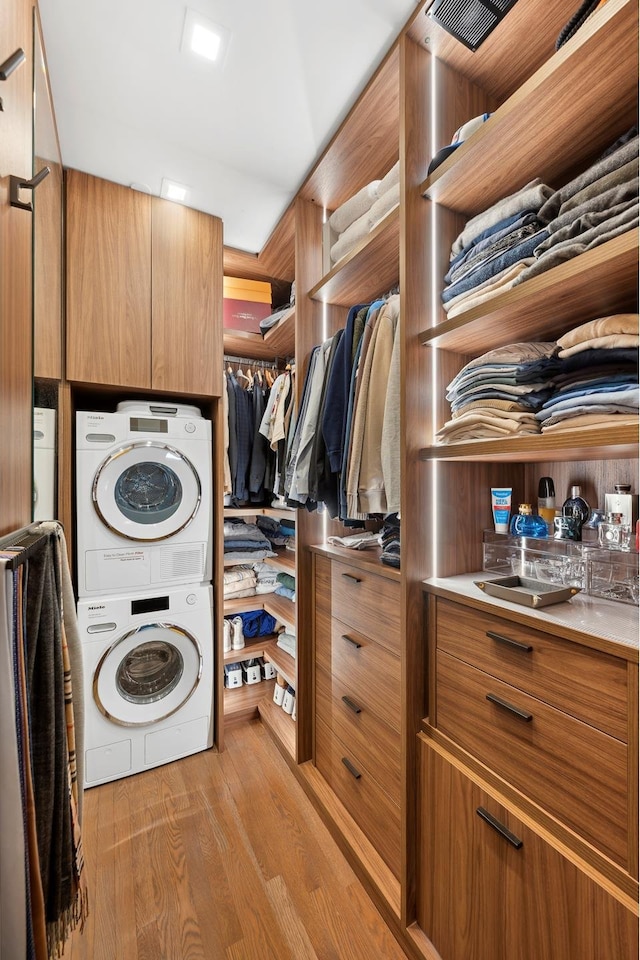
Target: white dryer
(148, 679)
(44, 463)
(143, 494)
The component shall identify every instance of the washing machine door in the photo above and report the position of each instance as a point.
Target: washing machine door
(147, 674)
(146, 491)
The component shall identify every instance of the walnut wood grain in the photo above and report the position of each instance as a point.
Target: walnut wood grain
(586, 78)
(108, 258)
(16, 414)
(241, 343)
(597, 693)
(48, 270)
(372, 809)
(282, 727)
(573, 770)
(186, 268)
(479, 896)
(633, 769)
(367, 560)
(367, 603)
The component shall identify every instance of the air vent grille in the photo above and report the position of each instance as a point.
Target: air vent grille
(180, 562)
(469, 21)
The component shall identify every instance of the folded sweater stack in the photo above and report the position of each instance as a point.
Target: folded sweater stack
(239, 582)
(597, 382)
(355, 218)
(497, 395)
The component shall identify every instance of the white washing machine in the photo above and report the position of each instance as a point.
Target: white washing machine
(143, 494)
(148, 679)
(44, 463)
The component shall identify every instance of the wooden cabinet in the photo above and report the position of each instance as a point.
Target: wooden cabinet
(16, 417)
(357, 696)
(492, 887)
(144, 290)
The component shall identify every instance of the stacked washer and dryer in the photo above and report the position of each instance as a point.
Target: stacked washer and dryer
(144, 551)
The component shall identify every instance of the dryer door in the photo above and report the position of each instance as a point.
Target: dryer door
(147, 674)
(146, 491)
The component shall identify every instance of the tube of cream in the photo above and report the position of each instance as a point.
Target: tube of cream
(501, 508)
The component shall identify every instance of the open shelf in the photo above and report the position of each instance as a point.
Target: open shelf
(281, 339)
(253, 648)
(279, 342)
(282, 661)
(285, 561)
(278, 513)
(241, 703)
(371, 269)
(549, 119)
(600, 282)
(607, 442)
(281, 608)
(280, 724)
(243, 604)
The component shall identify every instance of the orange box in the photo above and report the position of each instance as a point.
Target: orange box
(245, 304)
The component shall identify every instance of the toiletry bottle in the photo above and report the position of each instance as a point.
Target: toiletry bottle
(614, 533)
(576, 506)
(547, 501)
(590, 528)
(622, 501)
(525, 523)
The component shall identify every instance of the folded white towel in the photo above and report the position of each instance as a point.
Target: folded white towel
(390, 179)
(384, 204)
(354, 207)
(351, 236)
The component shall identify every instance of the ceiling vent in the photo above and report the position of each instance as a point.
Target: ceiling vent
(469, 21)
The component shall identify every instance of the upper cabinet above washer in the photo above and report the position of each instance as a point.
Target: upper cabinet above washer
(144, 290)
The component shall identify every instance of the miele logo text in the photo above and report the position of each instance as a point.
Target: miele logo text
(99, 606)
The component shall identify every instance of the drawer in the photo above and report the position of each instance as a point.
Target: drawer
(367, 603)
(368, 671)
(375, 745)
(575, 772)
(372, 809)
(585, 683)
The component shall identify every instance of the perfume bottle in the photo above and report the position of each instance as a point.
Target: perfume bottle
(576, 506)
(590, 528)
(525, 523)
(547, 501)
(614, 533)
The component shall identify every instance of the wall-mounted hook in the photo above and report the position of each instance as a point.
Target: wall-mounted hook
(16, 184)
(11, 63)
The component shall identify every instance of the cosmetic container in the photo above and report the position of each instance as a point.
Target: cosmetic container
(501, 508)
(525, 523)
(576, 506)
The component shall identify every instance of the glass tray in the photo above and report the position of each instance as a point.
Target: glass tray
(530, 593)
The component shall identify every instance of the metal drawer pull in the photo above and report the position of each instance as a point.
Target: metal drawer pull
(525, 647)
(522, 714)
(352, 706)
(350, 767)
(11, 63)
(350, 576)
(354, 643)
(499, 827)
(16, 184)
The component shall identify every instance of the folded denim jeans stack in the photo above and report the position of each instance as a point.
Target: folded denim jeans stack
(389, 537)
(244, 543)
(597, 382)
(498, 394)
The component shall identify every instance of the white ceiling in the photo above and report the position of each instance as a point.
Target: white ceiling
(131, 108)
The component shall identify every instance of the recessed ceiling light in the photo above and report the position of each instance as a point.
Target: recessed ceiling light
(172, 190)
(204, 38)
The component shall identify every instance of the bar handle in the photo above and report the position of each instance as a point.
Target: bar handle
(16, 184)
(354, 643)
(521, 714)
(524, 647)
(12, 63)
(350, 576)
(352, 770)
(352, 706)
(499, 828)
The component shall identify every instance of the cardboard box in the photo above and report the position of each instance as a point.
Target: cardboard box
(245, 304)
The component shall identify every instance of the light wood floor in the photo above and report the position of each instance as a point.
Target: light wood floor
(220, 857)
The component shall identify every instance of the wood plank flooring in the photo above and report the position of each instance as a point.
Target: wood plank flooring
(220, 857)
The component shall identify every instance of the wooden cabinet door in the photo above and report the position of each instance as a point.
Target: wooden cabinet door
(16, 412)
(108, 283)
(186, 300)
(484, 894)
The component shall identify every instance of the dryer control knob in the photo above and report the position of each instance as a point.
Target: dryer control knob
(190, 427)
(191, 599)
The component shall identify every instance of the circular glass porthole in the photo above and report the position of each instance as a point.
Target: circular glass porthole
(149, 672)
(148, 492)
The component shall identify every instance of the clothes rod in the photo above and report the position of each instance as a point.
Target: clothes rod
(25, 543)
(249, 362)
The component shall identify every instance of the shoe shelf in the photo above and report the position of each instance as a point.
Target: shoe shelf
(243, 604)
(241, 703)
(550, 117)
(251, 649)
(279, 723)
(282, 661)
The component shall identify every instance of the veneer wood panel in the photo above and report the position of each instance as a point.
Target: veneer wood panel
(48, 273)
(366, 603)
(242, 343)
(282, 727)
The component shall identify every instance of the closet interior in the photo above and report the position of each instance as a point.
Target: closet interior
(477, 831)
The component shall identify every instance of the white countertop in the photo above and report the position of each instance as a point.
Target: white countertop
(615, 622)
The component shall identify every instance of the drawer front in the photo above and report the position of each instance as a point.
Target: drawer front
(372, 809)
(368, 671)
(577, 773)
(375, 745)
(367, 603)
(585, 683)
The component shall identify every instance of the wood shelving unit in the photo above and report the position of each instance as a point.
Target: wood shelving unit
(280, 724)
(279, 342)
(281, 608)
(241, 703)
(282, 661)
